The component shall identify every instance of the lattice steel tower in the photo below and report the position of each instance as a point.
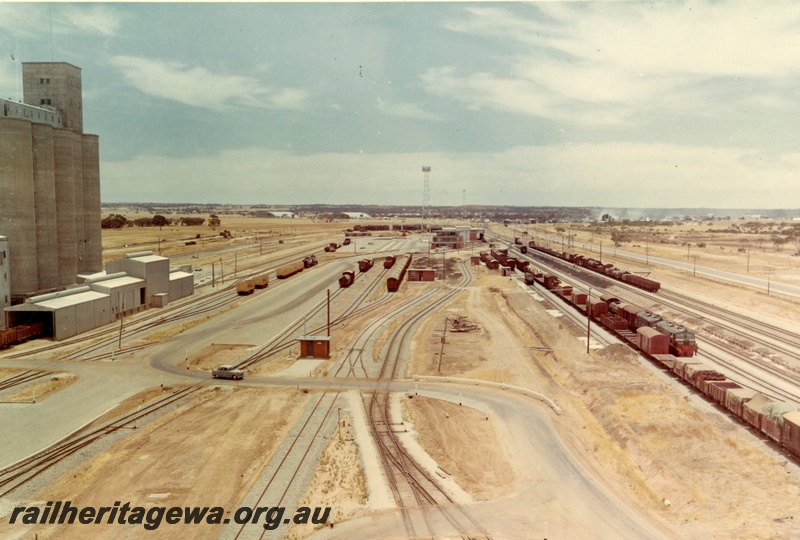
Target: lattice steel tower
(426, 193)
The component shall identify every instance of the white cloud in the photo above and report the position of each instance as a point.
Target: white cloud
(199, 87)
(609, 63)
(404, 109)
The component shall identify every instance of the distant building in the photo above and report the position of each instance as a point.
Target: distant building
(456, 237)
(354, 215)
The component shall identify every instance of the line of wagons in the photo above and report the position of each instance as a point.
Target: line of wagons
(249, 285)
(642, 329)
(672, 347)
(397, 265)
(20, 334)
(606, 269)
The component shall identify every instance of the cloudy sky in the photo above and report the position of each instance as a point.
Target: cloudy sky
(636, 104)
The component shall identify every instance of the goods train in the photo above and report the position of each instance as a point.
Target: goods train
(310, 261)
(622, 319)
(247, 286)
(389, 261)
(601, 268)
(347, 279)
(365, 264)
(289, 270)
(672, 347)
(398, 273)
(777, 420)
(18, 334)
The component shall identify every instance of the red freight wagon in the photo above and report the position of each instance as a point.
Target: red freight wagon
(751, 410)
(629, 312)
(597, 308)
(736, 398)
(667, 360)
(790, 437)
(651, 341)
(578, 299)
(613, 322)
(718, 389)
(772, 420)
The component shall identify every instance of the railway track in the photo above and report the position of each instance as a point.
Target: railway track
(416, 493)
(97, 341)
(281, 480)
(194, 306)
(763, 374)
(286, 338)
(22, 378)
(281, 477)
(17, 475)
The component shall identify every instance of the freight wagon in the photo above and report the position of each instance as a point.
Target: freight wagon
(389, 261)
(289, 270)
(776, 420)
(601, 268)
(347, 279)
(246, 286)
(364, 265)
(19, 334)
(398, 272)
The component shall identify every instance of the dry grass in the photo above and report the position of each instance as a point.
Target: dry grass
(339, 478)
(41, 390)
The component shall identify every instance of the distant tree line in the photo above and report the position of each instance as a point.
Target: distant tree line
(118, 221)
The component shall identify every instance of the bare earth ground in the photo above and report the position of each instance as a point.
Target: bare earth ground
(461, 439)
(339, 482)
(206, 453)
(688, 464)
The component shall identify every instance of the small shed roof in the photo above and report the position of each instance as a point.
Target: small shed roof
(314, 338)
(150, 258)
(72, 300)
(119, 282)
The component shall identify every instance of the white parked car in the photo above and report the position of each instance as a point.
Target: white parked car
(227, 372)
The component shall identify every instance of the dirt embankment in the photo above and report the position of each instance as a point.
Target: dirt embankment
(654, 443)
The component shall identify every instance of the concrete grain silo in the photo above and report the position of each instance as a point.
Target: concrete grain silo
(91, 203)
(50, 172)
(65, 205)
(17, 209)
(44, 182)
(80, 230)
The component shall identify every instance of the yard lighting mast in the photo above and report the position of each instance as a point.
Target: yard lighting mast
(426, 193)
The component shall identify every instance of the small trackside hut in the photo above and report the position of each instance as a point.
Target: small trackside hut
(315, 347)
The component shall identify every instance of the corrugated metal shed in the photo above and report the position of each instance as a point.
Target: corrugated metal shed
(71, 314)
